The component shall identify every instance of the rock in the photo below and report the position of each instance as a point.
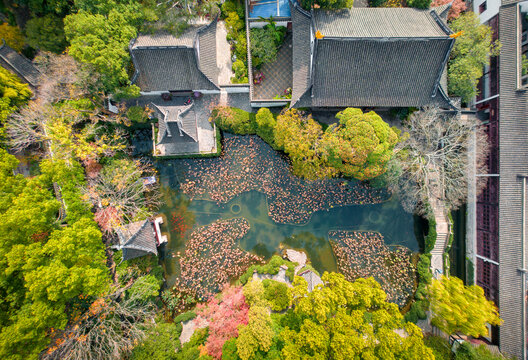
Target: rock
(297, 256)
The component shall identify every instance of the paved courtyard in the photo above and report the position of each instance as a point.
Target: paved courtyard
(278, 75)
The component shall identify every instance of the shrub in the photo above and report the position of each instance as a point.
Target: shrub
(419, 4)
(161, 342)
(233, 120)
(440, 346)
(376, 3)
(430, 239)
(277, 294)
(136, 114)
(241, 72)
(229, 350)
(272, 268)
(12, 36)
(186, 316)
(266, 126)
(145, 289)
(265, 43)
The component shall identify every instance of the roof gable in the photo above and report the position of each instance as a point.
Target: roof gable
(137, 239)
(378, 22)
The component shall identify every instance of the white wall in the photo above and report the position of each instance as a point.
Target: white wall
(492, 9)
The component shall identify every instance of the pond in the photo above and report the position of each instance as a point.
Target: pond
(250, 192)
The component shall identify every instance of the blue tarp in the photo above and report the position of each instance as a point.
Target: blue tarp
(267, 8)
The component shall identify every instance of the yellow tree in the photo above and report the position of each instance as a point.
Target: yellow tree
(459, 308)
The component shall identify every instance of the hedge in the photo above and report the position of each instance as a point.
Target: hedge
(186, 316)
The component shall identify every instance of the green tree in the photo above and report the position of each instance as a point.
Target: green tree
(256, 335)
(12, 36)
(46, 33)
(14, 93)
(102, 41)
(419, 4)
(361, 145)
(161, 342)
(470, 54)
(456, 307)
(344, 320)
(266, 125)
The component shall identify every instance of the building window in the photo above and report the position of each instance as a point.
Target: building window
(523, 66)
(482, 7)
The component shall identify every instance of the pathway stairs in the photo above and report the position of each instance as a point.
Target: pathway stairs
(442, 236)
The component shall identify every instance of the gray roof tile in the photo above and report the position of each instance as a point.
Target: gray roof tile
(378, 73)
(207, 52)
(20, 65)
(166, 39)
(301, 51)
(377, 22)
(137, 239)
(176, 124)
(171, 68)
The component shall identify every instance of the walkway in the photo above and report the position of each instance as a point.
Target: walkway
(442, 226)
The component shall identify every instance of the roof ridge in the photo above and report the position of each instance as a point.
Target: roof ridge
(145, 222)
(196, 53)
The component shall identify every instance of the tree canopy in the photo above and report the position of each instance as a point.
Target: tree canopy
(460, 308)
(470, 54)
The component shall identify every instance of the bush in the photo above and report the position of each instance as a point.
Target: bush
(440, 346)
(145, 289)
(272, 268)
(136, 114)
(277, 294)
(419, 4)
(241, 72)
(186, 316)
(416, 312)
(229, 350)
(265, 43)
(161, 342)
(430, 239)
(234, 120)
(266, 126)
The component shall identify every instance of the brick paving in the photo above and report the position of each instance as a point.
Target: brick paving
(278, 75)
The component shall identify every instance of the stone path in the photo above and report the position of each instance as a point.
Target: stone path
(223, 55)
(442, 227)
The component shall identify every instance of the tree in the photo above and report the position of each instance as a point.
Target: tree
(327, 4)
(46, 33)
(297, 135)
(457, 7)
(12, 36)
(108, 330)
(266, 125)
(102, 41)
(161, 342)
(120, 186)
(470, 54)
(459, 308)
(256, 335)
(360, 146)
(419, 4)
(433, 161)
(344, 320)
(14, 94)
(223, 317)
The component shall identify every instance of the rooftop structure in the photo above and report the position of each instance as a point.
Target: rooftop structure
(19, 65)
(137, 239)
(166, 63)
(177, 129)
(370, 57)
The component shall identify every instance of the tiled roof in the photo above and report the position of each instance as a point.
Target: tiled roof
(312, 279)
(20, 65)
(171, 68)
(164, 62)
(378, 22)
(207, 52)
(513, 163)
(176, 124)
(137, 239)
(301, 51)
(166, 39)
(378, 73)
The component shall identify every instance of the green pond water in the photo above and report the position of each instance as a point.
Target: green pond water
(267, 237)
